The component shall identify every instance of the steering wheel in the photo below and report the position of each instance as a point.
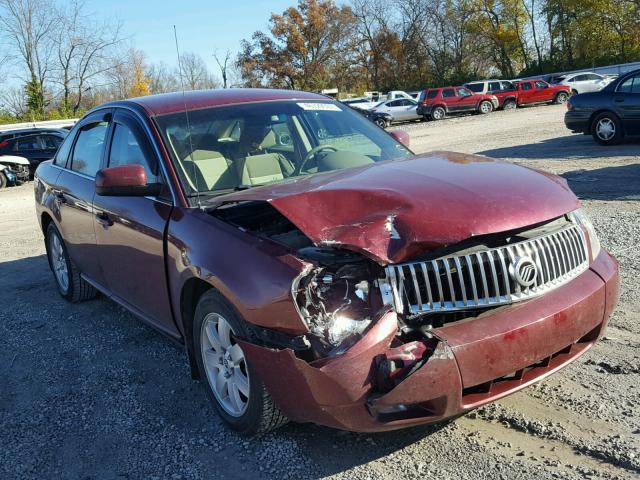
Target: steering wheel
(312, 153)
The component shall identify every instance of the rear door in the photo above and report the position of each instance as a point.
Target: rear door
(526, 93)
(626, 102)
(450, 100)
(75, 190)
(130, 230)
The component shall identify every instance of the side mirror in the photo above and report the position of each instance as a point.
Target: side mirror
(125, 181)
(401, 136)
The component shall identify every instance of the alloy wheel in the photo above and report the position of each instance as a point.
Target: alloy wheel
(485, 107)
(59, 262)
(225, 365)
(605, 129)
(438, 114)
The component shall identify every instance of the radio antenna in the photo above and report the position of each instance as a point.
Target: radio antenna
(186, 115)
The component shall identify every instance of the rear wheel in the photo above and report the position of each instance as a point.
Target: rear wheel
(606, 129)
(70, 284)
(381, 122)
(438, 113)
(232, 384)
(509, 105)
(485, 107)
(562, 97)
(3, 180)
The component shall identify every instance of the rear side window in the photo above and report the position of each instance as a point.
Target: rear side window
(432, 94)
(63, 152)
(448, 92)
(88, 150)
(525, 86)
(475, 87)
(630, 85)
(494, 87)
(508, 86)
(27, 143)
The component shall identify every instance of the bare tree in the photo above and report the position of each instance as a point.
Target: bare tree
(162, 78)
(223, 64)
(83, 53)
(29, 27)
(195, 74)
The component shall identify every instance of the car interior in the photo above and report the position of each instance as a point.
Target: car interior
(242, 151)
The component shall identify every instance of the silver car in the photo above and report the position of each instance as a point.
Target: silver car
(401, 109)
(585, 82)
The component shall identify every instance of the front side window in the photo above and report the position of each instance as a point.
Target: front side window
(541, 84)
(494, 87)
(50, 142)
(63, 152)
(87, 152)
(128, 148)
(463, 92)
(240, 146)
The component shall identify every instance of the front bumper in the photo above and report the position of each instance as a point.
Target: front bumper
(474, 362)
(577, 122)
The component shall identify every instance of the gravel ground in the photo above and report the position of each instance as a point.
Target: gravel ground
(87, 391)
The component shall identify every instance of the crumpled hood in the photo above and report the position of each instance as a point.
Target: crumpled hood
(393, 211)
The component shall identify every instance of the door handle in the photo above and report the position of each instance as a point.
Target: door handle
(104, 219)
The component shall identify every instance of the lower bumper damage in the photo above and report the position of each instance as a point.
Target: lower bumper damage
(380, 385)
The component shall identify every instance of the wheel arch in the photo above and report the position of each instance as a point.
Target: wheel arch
(45, 220)
(600, 111)
(190, 294)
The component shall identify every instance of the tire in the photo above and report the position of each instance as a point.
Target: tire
(71, 285)
(509, 105)
(607, 129)
(250, 410)
(485, 107)
(562, 97)
(438, 113)
(381, 122)
(3, 181)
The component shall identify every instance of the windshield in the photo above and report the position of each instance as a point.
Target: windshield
(240, 146)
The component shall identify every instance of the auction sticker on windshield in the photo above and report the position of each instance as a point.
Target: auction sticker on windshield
(328, 107)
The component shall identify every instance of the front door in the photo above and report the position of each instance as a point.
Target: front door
(74, 193)
(466, 101)
(130, 230)
(526, 93)
(626, 102)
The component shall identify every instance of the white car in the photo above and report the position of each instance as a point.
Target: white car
(585, 82)
(401, 109)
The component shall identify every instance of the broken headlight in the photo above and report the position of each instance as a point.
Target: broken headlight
(337, 298)
(579, 217)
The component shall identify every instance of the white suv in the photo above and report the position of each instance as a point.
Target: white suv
(585, 82)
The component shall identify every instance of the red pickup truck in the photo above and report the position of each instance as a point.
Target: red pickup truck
(538, 91)
(526, 92)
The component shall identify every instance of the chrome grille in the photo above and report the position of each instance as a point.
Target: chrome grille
(487, 278)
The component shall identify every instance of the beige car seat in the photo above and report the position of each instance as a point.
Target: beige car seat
(262, 168)
(210, 170)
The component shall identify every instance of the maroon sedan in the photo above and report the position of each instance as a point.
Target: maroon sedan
(313, 267)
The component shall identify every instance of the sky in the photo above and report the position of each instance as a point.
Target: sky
(203, 26)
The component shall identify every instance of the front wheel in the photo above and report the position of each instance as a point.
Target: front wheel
(606, 129)
(232, 384)
(381, 122)
(562, 97)
(485, 107)
(3, 180)
(70, 284)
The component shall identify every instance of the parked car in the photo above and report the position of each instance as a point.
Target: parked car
(400, 110)
(610, 114)
(437, 103)
(36, 147)
(15, 170)
(538, 91)
(382, 119)
(584, 82)
(313, 267)
(505, 91)
(9, 134)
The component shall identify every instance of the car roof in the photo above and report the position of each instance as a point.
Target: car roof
(33, 130)
(176, 102)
